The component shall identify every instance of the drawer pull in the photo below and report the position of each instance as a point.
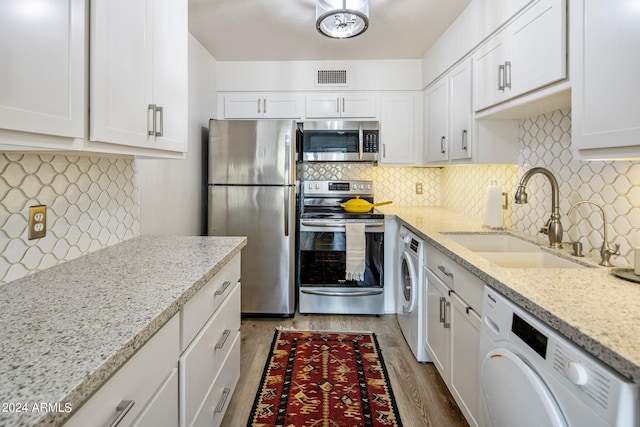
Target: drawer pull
(444, 270)
(447, 311)
(122, 410)
(223, 288)
(223, 339)
(223, 400)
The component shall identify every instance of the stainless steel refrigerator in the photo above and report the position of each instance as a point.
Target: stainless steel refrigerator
(252, 192)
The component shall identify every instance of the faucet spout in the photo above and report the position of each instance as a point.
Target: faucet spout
(553, 227)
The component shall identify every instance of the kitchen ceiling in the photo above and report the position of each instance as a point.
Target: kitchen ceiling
(280, 30)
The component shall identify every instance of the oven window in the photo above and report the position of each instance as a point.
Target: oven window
(330, 141)
(323, 260)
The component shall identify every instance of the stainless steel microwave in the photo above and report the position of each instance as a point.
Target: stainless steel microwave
(339, 141)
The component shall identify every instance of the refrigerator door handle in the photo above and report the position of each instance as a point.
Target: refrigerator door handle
(287, 159)
(286, 211)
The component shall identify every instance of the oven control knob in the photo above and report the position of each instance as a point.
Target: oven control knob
(576, 373)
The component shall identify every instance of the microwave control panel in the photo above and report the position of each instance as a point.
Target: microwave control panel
(370, 141)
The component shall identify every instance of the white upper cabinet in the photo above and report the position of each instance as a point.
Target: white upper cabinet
(528, 54)
(139, 73)
(605, 66)
(449, 121)
(263, 106)
(359, 106)
(400, 126)
(42, 71)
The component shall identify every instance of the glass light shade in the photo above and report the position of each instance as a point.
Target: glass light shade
(342, 19)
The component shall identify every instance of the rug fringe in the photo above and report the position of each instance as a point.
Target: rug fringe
(290, 329)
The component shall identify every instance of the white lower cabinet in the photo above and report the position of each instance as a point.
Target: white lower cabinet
(206, 358)
(143, 390)
(454, 301)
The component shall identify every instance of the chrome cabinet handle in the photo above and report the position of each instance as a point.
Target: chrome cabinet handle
(259, 105)
(223, 400)
(161, 111)
(152, 108)
(223, 288)
(442, 139)
(444, 270)
(464, 139)
(122, 410)
(338, 105)
(264, 105)
(507, 74)
(447, 310)
(223, 339)
(343, 109)
(501, 77)
(442, 301)
(384, 150)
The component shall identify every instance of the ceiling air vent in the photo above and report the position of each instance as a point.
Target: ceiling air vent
(332, 78)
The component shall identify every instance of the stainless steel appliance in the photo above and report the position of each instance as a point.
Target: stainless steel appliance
(252, 193)
(322, 251)
(339, 141)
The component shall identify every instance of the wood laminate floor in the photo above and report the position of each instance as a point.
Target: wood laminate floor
(422, 397)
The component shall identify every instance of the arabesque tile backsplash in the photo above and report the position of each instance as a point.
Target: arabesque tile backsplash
(94, 202)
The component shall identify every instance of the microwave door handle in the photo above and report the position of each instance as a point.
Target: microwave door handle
(360, 141)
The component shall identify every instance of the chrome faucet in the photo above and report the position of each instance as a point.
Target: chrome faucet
(553, 227)
(605, 250)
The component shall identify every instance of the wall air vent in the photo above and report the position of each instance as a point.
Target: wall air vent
(332, 78)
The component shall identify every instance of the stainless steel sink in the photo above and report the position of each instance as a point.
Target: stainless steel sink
(509, 251)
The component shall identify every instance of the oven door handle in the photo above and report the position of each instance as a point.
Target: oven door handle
(342, 294)
(328, 224)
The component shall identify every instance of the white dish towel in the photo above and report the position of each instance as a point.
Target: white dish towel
(355, 243)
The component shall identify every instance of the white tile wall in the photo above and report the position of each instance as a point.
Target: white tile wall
(92, 202)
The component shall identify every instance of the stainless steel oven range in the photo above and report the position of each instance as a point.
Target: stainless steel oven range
(322, 284)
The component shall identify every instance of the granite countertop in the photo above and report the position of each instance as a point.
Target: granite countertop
(65, 330)
(594, 309)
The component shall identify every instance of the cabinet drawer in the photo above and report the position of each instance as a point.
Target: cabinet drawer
(138, 380)
(466, 285)
(199, 309)
(215, 405)
(202, 360)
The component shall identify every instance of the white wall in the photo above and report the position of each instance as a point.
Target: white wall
(475, 23)
(172, 201)
(395, 75)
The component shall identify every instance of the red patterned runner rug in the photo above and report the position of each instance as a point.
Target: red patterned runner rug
(323, 379)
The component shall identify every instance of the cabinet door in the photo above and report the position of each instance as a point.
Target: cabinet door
(436, 113)
(120, 72)
(170, 75)
(438, 324)
(488, 71)
(242, 106)
(42, 75)
(604, 75)
(397, 130)
(359, 106)
(538, 43)
(282, 107)
(465, 348)
(460, 111)
(162, 409)
(322, 106)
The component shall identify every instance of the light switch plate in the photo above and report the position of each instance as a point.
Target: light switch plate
(37, 222)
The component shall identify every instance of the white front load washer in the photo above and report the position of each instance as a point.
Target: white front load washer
(411, 310)
(531, 376)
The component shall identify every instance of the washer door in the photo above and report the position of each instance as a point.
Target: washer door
(407, 283)
(513, 394)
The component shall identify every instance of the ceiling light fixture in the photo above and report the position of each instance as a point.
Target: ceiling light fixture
(342, 19)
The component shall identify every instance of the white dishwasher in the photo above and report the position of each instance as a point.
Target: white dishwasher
(530, 376)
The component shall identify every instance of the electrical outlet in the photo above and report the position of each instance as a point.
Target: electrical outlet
(37, 221)
(418, 188)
